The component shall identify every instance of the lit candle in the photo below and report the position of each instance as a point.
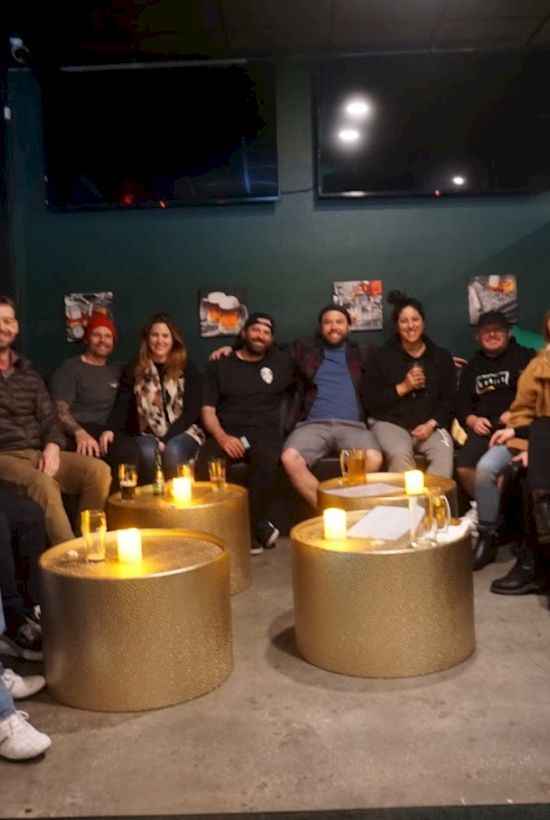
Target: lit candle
(182, 488)
(129, 545)
(414, 482)
(335, 524)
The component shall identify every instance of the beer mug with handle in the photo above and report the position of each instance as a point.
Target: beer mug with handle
(353, 465)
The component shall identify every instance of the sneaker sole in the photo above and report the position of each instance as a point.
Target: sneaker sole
(8, 647)
(256, 550)
(272, 540)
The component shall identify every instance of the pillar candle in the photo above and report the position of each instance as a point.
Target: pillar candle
(129, 545)
(335, 524)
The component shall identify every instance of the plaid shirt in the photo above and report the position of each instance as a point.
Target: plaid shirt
(308, 356)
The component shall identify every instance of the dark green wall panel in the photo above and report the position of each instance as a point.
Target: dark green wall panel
(286, 255)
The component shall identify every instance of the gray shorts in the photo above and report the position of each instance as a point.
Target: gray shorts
(316, 439)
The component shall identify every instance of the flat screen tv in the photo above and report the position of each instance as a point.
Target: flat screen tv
(160, 136)
(433, 124)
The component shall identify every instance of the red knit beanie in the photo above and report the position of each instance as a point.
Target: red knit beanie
(99, 320)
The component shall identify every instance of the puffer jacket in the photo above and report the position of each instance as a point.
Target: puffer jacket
(28, 418)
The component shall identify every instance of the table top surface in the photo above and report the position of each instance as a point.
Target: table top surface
(203, 495)
(310, 532)
(164, 551)
(395, 485)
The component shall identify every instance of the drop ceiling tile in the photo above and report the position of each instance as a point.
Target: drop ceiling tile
(379, 33)
(278, 40)
(475, 31)
(270, 13)
(363, 11)
(487, 9)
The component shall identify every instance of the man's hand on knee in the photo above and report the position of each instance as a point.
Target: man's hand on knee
(50, 461)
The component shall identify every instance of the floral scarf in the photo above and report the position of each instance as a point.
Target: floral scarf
(160, 405)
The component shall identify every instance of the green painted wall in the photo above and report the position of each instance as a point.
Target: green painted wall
(286, 254)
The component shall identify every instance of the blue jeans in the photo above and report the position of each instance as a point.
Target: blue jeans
(7, 707)
(177, 450)
(489, 469)
(6, 701)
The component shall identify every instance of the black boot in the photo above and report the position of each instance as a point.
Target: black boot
(485, 550)
(523, 577)
(542, 513)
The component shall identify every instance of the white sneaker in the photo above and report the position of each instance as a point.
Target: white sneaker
(19, 740)
(472, 517)
(19, 687)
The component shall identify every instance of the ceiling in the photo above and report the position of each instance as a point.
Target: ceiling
(83, 31)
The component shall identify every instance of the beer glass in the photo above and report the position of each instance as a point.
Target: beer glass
(430, 514)
(127, 480)
(94, 526)
(186, 470)
(216, 471)
(353, 464)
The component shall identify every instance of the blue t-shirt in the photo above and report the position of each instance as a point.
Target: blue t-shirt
(336, 397)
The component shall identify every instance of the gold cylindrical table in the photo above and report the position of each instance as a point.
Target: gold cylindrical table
(222, 513)
(336, 491)
(377, 610)
(124, 637)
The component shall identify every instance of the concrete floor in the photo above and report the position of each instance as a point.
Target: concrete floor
(282, 735)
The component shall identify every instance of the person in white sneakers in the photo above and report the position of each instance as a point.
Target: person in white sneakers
(18, 739)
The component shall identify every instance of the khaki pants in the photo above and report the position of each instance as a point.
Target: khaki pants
(87, 477)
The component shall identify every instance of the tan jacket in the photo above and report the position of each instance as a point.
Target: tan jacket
(533, 395)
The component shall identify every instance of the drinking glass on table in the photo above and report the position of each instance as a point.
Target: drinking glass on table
(127, 480)
(94, 526)
(217, 473)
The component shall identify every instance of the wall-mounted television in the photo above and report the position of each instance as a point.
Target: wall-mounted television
(158, 136)
(433, 124)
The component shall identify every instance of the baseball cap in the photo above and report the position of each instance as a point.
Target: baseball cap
(261, 319)
(495, 318)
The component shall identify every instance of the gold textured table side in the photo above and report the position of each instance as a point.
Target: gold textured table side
(128, 637)
(222, 513)
(331, 499)
(374, 609)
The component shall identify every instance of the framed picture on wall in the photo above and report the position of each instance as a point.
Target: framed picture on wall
(363, 300)
(493, 292)
(222, 312)
(80, 307)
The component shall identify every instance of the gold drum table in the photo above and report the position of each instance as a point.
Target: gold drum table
(328, 494)
(126, 637)
(222, 513)
(376, 610)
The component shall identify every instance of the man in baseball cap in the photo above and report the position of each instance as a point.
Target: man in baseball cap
(487, 389)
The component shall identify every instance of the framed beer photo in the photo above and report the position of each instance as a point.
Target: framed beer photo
(222, 312)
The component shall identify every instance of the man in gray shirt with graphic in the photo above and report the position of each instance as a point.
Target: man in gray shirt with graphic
(84, 388)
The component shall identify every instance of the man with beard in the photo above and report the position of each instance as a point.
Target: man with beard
(331, 372)
(31, 440)
(241, 412)
(84, 388)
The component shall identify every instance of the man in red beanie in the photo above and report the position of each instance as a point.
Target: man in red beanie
(84, 387)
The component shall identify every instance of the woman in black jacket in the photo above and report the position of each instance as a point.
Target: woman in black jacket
(410, 393)
(158, 403)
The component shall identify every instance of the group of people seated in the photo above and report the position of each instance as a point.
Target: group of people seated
(397, 402)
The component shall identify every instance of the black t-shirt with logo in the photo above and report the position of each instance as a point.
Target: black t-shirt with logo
(248, 394)
(488, 385)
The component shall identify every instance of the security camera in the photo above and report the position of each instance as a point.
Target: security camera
(18, 49)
